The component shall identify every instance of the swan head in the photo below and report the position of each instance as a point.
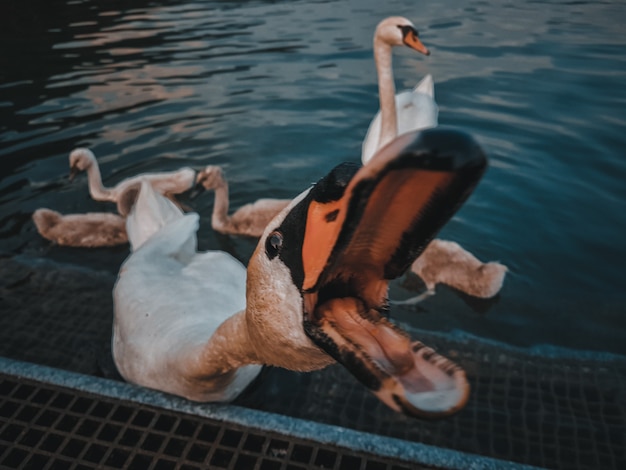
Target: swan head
(80, 160)
(399, 31)
(318, 279)
(210, 177)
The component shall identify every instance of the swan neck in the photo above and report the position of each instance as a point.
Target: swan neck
(386, 92)
(96, 188)
(230, 347)
(219, 218)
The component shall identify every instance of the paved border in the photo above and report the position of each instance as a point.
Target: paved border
(322, 433)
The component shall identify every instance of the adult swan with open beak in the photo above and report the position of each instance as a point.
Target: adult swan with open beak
(195, 325)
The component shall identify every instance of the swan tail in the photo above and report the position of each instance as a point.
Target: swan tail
(148, 214)
(426, 86)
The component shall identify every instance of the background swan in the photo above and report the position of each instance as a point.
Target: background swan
(93, 229)
(167, 183)
(406, 111)
(100, 229)
(198, 325)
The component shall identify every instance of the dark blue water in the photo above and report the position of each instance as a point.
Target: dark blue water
(279, 92)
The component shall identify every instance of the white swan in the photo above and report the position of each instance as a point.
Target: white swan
(406, 111)
(93, 229)
(193, 324)
(167, 183)
(250, 219)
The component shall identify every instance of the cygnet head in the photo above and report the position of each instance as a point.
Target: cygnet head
(399, 31)
(80, 160)
(211, 177)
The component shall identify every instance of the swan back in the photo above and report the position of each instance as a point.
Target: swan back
(415, 110)
(169, 302)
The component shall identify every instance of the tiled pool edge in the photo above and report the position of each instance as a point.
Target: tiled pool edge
(327, 434)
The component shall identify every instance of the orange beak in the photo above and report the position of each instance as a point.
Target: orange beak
(412, 40)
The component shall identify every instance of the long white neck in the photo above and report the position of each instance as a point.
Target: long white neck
(386, 92)
(96, 188)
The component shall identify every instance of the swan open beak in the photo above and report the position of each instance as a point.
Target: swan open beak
(369, 230)
(412, 40)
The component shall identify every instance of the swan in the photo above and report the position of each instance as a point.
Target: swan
(406, 111)
(103, 229)
(167, 183)
(199, 325)
(93, 229)
(100, 229)
(250, 219)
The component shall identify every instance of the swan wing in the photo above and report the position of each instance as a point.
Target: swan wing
(150, 213)
(416, 109)
(426, 86)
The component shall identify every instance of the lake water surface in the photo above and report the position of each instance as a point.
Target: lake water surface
(279, 92)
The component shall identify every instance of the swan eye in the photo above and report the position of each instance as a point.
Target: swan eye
(273, 244)
(407, 30)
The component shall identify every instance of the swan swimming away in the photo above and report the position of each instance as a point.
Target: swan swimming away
(200, 325)
(93, 229)
(167, 183)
